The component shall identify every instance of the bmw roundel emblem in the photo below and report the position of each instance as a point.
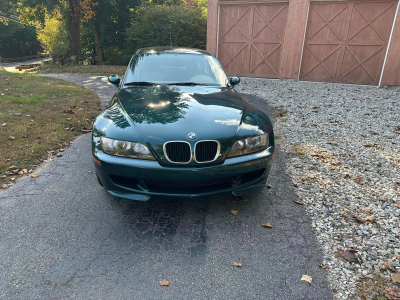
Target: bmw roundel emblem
(191, 136)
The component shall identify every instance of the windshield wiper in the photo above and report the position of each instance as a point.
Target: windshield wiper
(142, 83)
(186, 83)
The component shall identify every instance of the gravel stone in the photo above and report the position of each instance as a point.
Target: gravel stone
(343, 143)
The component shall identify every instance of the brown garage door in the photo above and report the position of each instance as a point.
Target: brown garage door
(250, 39)
(346, 41)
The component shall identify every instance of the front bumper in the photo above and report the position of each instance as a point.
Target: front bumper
(140, 179)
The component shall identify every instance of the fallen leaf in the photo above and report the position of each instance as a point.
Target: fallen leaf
(4, 124)
(358, 219)
(267, 225)
(387, 265)
(358, 179)
(236, 264)
(306, 278)
(269, 186)
(333, 143)
(11, 137)
(369, 219)
(3, 176)
(396, 277)
(298, 202)
(396, 205)
(13, 167)
(164, 282)
(234, 212)
(323, 266)
(349, 255)
(366, 210)
(80, 109)
(382, 198)
(59, 154)
(33, 175)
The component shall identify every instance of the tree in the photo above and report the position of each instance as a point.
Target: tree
(162, 25)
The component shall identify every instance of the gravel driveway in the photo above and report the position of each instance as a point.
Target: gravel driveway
(344, 147)
(63, 237)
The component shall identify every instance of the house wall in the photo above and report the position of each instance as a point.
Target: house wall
(391, 72)
(294, 39)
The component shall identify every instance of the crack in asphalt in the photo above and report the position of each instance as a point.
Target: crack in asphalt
(63, 237)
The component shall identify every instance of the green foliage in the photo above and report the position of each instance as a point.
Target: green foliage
(110, 30)
(114, 56)
(17, 40)
(54, 38)
(158, 25)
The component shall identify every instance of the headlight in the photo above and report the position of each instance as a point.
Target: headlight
(126, 149)
(249, 145)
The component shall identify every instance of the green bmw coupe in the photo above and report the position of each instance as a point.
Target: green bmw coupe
(177, 127)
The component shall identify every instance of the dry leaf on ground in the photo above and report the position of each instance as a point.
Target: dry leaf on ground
(396, 277)
(236, 264)
(234, 212)
(323, 266)
(269, 186)
(349, 256)
(33, 175)
(306, 278)
(164, 282)
(369, 219)
(298, 202)
(366, 210)
(267, 225)
(387, 265)
(358, 219)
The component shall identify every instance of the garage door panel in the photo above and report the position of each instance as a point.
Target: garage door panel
(321, 62)
(359, 31)
(361, 61)
(257, 29)
(265, 60)
(233, 57)
(233, 23)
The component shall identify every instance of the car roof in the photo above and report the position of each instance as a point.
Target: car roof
(166, 49)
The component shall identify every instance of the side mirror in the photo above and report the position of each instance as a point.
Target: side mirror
(234, 80)
(114, 79)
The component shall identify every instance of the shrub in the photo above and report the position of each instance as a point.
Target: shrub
(54, 38)
(114, 56)
(159, 25)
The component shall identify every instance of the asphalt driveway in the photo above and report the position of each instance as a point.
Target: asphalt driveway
(62, 236)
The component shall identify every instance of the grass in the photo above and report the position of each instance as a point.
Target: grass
(39, 116)
(49, 67)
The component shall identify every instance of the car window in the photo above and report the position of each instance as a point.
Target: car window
(166, 68)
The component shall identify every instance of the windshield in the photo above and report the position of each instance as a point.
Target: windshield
(175, 68)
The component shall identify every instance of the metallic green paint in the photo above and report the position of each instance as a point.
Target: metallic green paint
(153, 115)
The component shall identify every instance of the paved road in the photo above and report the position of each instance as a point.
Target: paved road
(10, 67)
(62, 237)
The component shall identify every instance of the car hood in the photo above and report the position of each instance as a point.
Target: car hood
(155, 115)
(166, 113)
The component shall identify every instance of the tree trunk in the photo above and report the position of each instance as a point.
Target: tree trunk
(75, 27)
(99, 48)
